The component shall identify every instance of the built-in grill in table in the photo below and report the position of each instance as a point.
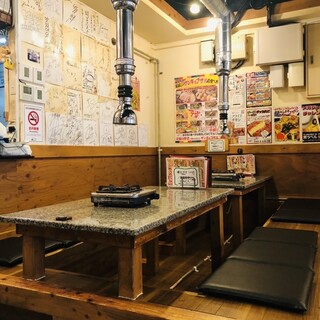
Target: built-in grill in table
(123, 196)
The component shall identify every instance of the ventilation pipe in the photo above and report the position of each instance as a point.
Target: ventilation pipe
(223, 56)
(124, 67)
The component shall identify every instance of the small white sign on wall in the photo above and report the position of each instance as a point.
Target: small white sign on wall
(33, 123)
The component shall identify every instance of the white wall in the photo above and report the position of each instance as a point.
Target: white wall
(183, 59)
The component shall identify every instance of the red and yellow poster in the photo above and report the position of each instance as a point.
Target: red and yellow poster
(197, 116)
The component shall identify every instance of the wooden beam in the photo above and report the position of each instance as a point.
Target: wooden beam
(50, 151)
(66, 304)
(256, 149)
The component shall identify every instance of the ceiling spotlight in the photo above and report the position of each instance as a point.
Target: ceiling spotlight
(195, 8)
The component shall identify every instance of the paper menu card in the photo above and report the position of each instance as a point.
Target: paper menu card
(244, 164)
(188, 172)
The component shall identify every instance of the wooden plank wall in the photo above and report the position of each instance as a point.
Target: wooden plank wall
(294, 168)
(60, 176)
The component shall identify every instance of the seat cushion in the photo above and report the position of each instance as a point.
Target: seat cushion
(298, 210)
(11, 250)
(279, 285)
(302, 237)
(280, 253)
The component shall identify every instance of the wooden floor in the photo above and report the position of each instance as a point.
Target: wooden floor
(174, 284)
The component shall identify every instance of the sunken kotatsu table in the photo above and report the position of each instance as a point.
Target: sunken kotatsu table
(127, 229)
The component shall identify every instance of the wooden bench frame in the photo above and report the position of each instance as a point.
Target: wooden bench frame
(67, 304)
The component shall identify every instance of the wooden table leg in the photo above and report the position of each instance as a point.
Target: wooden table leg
(261, 205)
(237, 219)
(217, 236)
(181, 239)
(130, 272)
(33, 258)
(152, 254)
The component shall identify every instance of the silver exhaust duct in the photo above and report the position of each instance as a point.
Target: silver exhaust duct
(223, 56)
(124, 67)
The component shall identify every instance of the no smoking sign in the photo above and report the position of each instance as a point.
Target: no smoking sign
(33, 118)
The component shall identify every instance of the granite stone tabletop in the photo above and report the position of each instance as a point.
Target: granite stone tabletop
(173, 203)
(243, 183)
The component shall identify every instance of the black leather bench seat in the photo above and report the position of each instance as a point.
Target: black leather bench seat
(302, 237)
(279, 285)
(298, 210)
(272, 266)
(11, 249)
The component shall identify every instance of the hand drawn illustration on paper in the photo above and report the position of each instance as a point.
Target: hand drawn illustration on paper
(74, 130)
(132, 135)
(103, 30)
(53, 37)
(56, 101)
(53, 67)
(103, 57)
(36, 5)
(90, 132)
(64, 130)
(74, 102)
(72, 74)
(120, 135)
(90, 106)
(106, 134)
(89, 78)
(53, 10)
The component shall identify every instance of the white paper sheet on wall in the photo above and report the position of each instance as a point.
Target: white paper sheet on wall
(120, 135)
(90, 132)
(56, 99)
(132, 135)
(32, 25)
(89, 78)
(103, 83)
(103, 57)
(72, 74)
(72, 14)
(107, 109)
(106, 134)
(53, 67)
(53, 38)
(90, 106)
(64, 130)
(74, 102)
(71, 43)
(88, 50)
(142, 135)
(90, 21)
(103, 31)
(35, 5)
(53, 9)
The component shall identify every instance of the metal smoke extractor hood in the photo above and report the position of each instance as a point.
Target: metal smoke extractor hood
(124, 62)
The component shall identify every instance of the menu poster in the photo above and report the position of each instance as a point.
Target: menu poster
(244, 164)
(237, 126)
(197, 116)
(258, 89)
(259, 125)
(237, 91)
(286, 124)
(310, 119)
(188, 172)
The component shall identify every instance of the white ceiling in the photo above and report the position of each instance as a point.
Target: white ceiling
(149, 22)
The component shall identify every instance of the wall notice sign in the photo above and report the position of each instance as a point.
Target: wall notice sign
(33, 123)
